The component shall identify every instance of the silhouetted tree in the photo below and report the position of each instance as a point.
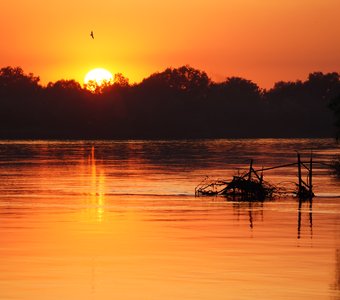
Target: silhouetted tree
(301, 108)
(20, 94)
(233, 106)
(184, 78)
(323, 86)
(120, 80)
(97, 88)
(66, 85)
(15, 78)
(14, 83)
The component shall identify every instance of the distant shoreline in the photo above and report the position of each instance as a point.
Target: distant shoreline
(180, 103)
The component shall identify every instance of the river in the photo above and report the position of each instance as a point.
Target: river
(120, 220)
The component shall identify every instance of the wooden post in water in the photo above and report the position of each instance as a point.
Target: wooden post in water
(261, 178)
(299, 175)
(250, 169)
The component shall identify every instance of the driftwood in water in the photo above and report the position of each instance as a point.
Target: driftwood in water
(251, 186)
(246, 189)
(210, 187)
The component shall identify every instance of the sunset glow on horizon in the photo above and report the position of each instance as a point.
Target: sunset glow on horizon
(263, 41)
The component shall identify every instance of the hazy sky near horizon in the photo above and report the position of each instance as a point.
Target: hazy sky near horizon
(261, 40)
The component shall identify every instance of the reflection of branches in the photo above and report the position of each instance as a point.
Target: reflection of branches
(251, 208)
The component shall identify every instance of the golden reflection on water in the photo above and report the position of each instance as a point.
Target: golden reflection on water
(97, 193)
(175, 248)
(92, 185)
(69, 229)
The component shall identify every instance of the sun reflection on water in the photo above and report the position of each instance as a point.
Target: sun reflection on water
(95, 202)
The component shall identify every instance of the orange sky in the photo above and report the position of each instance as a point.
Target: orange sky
(262, 40)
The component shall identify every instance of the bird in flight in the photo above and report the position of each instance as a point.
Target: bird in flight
(92, 34)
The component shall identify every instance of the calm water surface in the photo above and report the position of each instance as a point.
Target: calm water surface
(119, 220)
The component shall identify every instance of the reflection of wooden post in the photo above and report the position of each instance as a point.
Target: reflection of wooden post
(311, 216)
(299, 175)
(299, 219)
(311, 175)
(251, 215)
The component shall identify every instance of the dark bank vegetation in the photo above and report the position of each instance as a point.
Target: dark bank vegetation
(176, 103)
(335, 106)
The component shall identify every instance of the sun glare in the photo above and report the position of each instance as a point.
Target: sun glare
(97, 77)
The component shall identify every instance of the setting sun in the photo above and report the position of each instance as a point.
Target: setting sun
(97, 77)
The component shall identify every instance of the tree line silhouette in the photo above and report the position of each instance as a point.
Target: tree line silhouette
(176, 103)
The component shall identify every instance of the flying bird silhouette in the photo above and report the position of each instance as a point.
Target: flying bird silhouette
(92, 34)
